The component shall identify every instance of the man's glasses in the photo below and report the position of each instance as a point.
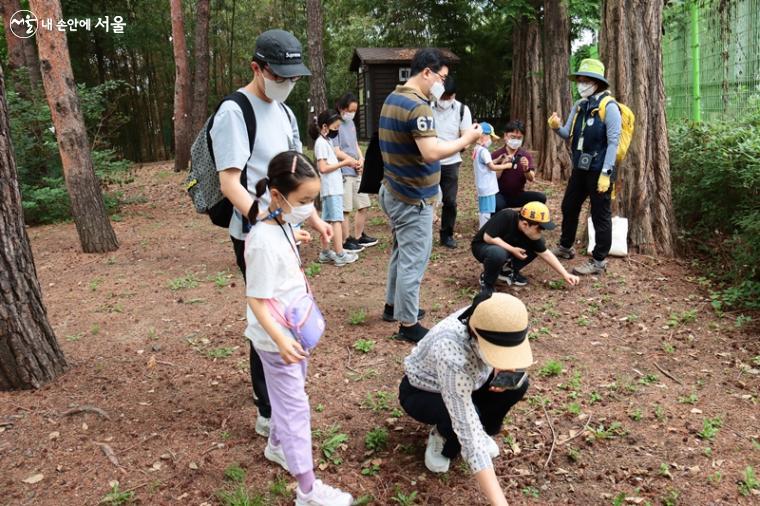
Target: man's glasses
(279, 79)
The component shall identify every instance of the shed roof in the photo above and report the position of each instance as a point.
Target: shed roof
(378, 55)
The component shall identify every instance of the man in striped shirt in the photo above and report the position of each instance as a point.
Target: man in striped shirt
(411, 153)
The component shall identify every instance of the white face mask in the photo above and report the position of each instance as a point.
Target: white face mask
(445, 104)
(348, 116)
(298, 214)
(487, 143)
(585, 90)
(436, 91)
(278, 91)
(514, 143)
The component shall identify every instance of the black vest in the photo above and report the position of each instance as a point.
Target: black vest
(594, 134)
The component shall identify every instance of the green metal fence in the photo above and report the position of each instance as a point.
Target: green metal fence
(711, 58)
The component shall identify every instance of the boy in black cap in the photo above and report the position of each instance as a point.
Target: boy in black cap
(515, 238)
(276, 64)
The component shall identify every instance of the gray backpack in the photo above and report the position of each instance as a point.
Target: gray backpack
(202, 182)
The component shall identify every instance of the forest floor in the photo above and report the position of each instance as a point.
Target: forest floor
(640, 393)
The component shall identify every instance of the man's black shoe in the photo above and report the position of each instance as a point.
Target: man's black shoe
(413, 333)
(366, 241)
(352, 246)
(388, 313)
(448, 242)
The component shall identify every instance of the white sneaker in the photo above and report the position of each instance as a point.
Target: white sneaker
(493, 447)
(323, 495)
(274, 454)
(326, 256)
(434, 460)
(262, 426)
(345, 258)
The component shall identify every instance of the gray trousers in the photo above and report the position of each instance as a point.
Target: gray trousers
(412, 228)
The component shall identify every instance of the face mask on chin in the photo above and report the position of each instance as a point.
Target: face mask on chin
(585, 90)
(278, 91)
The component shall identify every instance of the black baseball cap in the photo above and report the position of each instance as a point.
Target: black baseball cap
(282, 52)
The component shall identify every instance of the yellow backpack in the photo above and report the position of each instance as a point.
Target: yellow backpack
(626, 128)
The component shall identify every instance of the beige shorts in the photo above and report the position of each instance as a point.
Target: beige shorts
(352, 199)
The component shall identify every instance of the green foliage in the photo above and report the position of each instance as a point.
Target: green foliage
(403, 499)
(749, 482)
(710, 427)
(377, 401)
(38, 163)
(376, 439)
(364, 345)
(331, 442)
(116, 497)
(235, 473)
(358, 316)
(183, 282)
(551, 368)
(715, 172)
(313, 269)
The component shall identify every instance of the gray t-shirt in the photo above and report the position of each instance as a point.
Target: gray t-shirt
(346, 141)
(275, 133)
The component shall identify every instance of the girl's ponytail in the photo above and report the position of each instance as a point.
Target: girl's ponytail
(326, 117)
(314, 130)
(253, 212)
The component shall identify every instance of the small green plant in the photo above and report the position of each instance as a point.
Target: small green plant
(403, 499)
(573, 408)
(682, 318)
(742, 320)
(659, 412)
(376, 221)
(531, 491)
(234, 473)
(671, 499)
(574, 454)
(116, 497)
(364, 345)
(595, 397)
(583, 321)
(183, 282)
(665, 470)
(667, 347)
(240, 496)
(74, 337)
(631, 318)
(715, 478)
(95, 329)
(748, 482)
(94, 284)
(220, 279)
(319, 408)
(636, 415)
(396, 413)
(377, 401)
(221, 352)
(358, 316)
(313, 269)
(688, 399)
(535, 334)
(371, 470)
(331, 442)
(279, 487)
(649, 379)
(556, 284)
(376, 439)
(538, 400)
(707, 452)
(467, 293)
(551, 368)
(574, 383)
(364, 500)
(710, 428)
(435, 256)
(615, 429)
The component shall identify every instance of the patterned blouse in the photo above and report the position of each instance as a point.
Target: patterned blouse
(446, 361)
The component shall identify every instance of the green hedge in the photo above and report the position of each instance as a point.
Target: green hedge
(715, 171)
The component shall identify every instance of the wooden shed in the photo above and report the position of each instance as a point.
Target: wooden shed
(379, 71)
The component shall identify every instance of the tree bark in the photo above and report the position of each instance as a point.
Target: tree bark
(631, 48)
(182, 119)
(314, 30)
(29, 352)
(556, 164)
(21, 52)
(87, 207)
(200, 81)
(526, 101)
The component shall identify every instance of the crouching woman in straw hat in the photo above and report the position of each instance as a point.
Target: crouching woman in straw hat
(463, 377)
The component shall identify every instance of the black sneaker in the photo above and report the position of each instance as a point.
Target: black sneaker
(448, 242)
(506, 275)
(366, 241)
(413, 333)
(518, 279)
(352, 246)
(388, 313)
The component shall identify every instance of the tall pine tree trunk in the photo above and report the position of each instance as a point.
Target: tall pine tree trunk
(87, 207)
(314, 30)
(29, 352)
(526, 100)
(21, 52)
(556, 164)
(200, 81)
(182, 119)
(631, 48)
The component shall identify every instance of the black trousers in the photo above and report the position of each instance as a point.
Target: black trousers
(449, 188)
(493, 259)
(505, 201)
(429, 408)
(260, 395)
(582, 184)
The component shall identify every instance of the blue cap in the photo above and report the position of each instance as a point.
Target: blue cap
(488, 129)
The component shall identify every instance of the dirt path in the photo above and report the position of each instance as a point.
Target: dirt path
(153, 334)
